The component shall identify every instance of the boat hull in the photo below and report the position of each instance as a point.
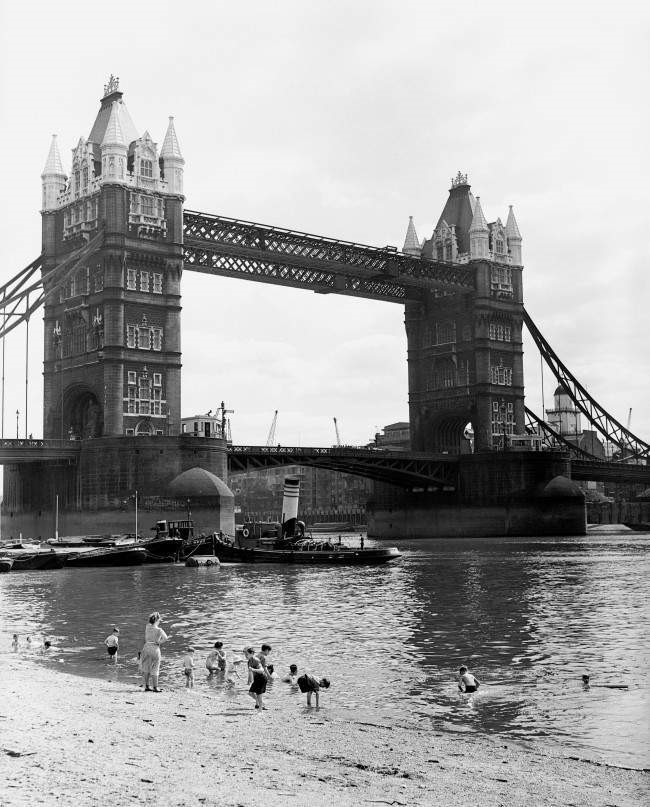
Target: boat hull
(6, 564)
(112, 556)
(337, 557)
(42, 560)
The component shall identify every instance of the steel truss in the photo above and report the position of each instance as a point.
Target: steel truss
(235, 248)
(15, 304)
(608, 426)
(404, 469)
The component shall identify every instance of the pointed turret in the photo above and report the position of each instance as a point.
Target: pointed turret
(411, 242)
(514, 238)
(114, 148)
(53, 177)
(171, 160)
(479, 233)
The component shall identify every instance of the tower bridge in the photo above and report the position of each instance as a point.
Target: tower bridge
(116, 239)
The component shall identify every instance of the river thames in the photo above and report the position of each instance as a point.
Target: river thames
(528, 617)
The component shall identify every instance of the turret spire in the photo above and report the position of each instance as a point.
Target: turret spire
(514, 238)
(53, 178)
(114, 136)
(479, 233)
(512, 229)
(411, 242)
(479, 224)
(170, 147)
(172, 160)
(53, 164)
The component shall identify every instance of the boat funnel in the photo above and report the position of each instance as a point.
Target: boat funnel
(290, 506)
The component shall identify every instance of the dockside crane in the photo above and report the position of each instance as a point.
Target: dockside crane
(270, 440)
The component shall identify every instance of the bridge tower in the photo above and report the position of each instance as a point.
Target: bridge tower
(465, 357)
(112, 360)
(112, 357)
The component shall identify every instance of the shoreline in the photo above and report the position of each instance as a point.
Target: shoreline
(85, 741)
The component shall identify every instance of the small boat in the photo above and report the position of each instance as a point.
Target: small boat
(6, 564)
(304, 551)
(31, 557)
(119, 555)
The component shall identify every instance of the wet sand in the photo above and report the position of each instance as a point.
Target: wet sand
(91, 742)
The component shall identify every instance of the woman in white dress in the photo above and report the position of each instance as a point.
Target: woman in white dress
(154, 636)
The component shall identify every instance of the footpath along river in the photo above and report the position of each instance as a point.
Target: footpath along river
(529, 617)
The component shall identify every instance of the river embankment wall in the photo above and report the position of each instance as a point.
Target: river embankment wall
(96, 494)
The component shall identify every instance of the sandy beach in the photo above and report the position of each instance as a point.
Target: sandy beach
(71, 740)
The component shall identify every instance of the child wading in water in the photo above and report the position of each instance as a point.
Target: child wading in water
(308, 683)
(466, 681)
(14, 643)
(216, 660)
(188, 664)
(293, 675)
(112, 643)
(257, 677)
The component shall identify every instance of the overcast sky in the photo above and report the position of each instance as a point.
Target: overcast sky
(342, 119)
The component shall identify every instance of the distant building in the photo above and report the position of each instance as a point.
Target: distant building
(395, 436)
(565, 419)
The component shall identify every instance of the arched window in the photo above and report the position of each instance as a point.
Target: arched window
(146, 168)
(499, 248)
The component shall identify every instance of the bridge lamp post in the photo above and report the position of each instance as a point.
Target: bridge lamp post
(17, 416)
(503, 424)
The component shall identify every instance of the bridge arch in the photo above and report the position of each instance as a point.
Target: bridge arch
(446, 431)
(83, 416)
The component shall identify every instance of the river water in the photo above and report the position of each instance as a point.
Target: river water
(529, 617)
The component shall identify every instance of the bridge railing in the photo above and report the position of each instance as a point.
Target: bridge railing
(30, 442)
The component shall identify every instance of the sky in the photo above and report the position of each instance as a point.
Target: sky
(342, 119)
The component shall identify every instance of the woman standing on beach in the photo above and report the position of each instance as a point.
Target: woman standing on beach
(154, 636)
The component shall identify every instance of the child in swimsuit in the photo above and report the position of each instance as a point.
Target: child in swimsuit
(112, 642)
(466, 681)
(188, 664)
(308, 683)
(216, 660)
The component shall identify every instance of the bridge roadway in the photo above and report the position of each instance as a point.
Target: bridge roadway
(407, 469)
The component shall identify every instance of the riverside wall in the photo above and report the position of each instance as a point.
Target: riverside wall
(97, 494)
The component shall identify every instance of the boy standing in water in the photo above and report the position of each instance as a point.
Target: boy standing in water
(466, 681)
(112, 643)
(188, 664)
(14, 643)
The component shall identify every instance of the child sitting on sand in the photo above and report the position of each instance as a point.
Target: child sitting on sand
(308, 683)
(466, 681)
(112, 643)
(188, 665)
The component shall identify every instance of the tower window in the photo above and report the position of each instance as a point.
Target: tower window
(131, 376)
(131, 280)
(146, 168)
(156, 338)
(144, 281)
(84, 178)
(131, 340)
(499, 247)
(147, 205)
(157, 283)
(157, 380)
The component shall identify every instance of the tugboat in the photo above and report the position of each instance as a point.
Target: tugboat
(290, 546)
